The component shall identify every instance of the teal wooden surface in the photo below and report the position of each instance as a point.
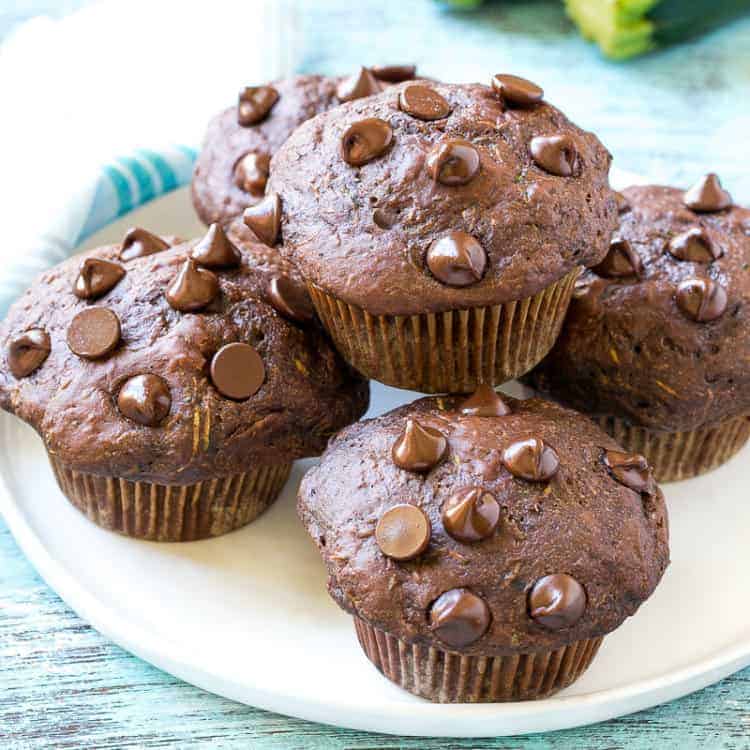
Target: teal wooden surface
(670, 116)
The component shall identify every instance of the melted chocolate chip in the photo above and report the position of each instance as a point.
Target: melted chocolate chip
(403, 532)
(419, 448)
(394, 73)
(251, 173)
(365, 140)
(290, 298)
(630, 469)
(237, 371)
(96, 277)
(27, 352)
(484, 402)
(423, 102)
(193, 288)
(361, 84)
(701, 300)
(457, 259)
(516, 91)
(557, 601)
(215, 250)
(531, 459)
(694, 245)
(623, 206)
(620, 262)
(453, 162)
(94, 333)
(459, 617)
(471, 514)
(556, 154)
(264, 219)
(145, 399)
(138, 242)
(707, 195)
(255, 103)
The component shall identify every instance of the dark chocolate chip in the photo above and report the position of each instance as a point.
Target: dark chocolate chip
(28, 351)
(630, 469)
(394, 73)
(365, 140)
(96, 277)
(215, 250)
(623, 205)
(459, 617)
(251, 173)
(471, 514)
(193, 288)
(403, 532)
(694, 245)
(255, 103)
(290, 298)
(419, 448)
(94, 333)
(556, 154)
(557, 601)
(138, 242)
(620, 262)
(453, 162)
(361, 84)
(457, 259)
(516, 91)
(707, 195)
(237, 371)
(701, 300)
(423, 102)
(145, 399)
(531, 459)
(484, 402)
(264, 219)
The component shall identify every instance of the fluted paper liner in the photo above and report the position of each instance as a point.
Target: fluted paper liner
(681, 455)
(172, 513)
(449, 352)
(450, 677)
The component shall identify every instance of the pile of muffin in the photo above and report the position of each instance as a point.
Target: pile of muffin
(434, 237)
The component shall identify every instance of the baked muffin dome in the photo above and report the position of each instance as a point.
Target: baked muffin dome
(520, 521)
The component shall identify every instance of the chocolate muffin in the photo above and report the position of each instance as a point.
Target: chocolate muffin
(232, 168)
(440, 228)
(657, 341)
(174, 384)
(484, 547)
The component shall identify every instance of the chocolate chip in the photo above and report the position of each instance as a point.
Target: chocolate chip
(623, 206)
(264, 219)
(531, 459)
(139, 243)
(394, 73)
(707, 195)
(702, 300)
(453, 162)
(193, 288)
(694, 245)
(255, 103)
(459, 617)
(365, 140)
(403, 532)
(630, 469)
(484, 402)
(96, 277)
(145, 399)
(556, 154)
(423, 102)
(516, 91)
(471, 514)
(237, 371)
(383, 218)
(457, 259)
(361, 84)
(419, 448)
(620, 262)
(251, 173)
(28, 351)
(557, 601)
(290, 298)
(94, 333)
(215, 250)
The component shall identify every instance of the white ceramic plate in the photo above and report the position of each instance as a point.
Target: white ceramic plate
(247, 615)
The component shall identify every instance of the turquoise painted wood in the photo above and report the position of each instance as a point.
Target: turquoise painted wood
(670, 116)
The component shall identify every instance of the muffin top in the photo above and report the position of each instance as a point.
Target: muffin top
(430, 197)
(659, 333)
(489, 526)
(232, 168)
(174, 363)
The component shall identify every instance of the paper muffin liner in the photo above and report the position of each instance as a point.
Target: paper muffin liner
(448, 352)
(450, 677)
(681, 455)
(172, 513)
